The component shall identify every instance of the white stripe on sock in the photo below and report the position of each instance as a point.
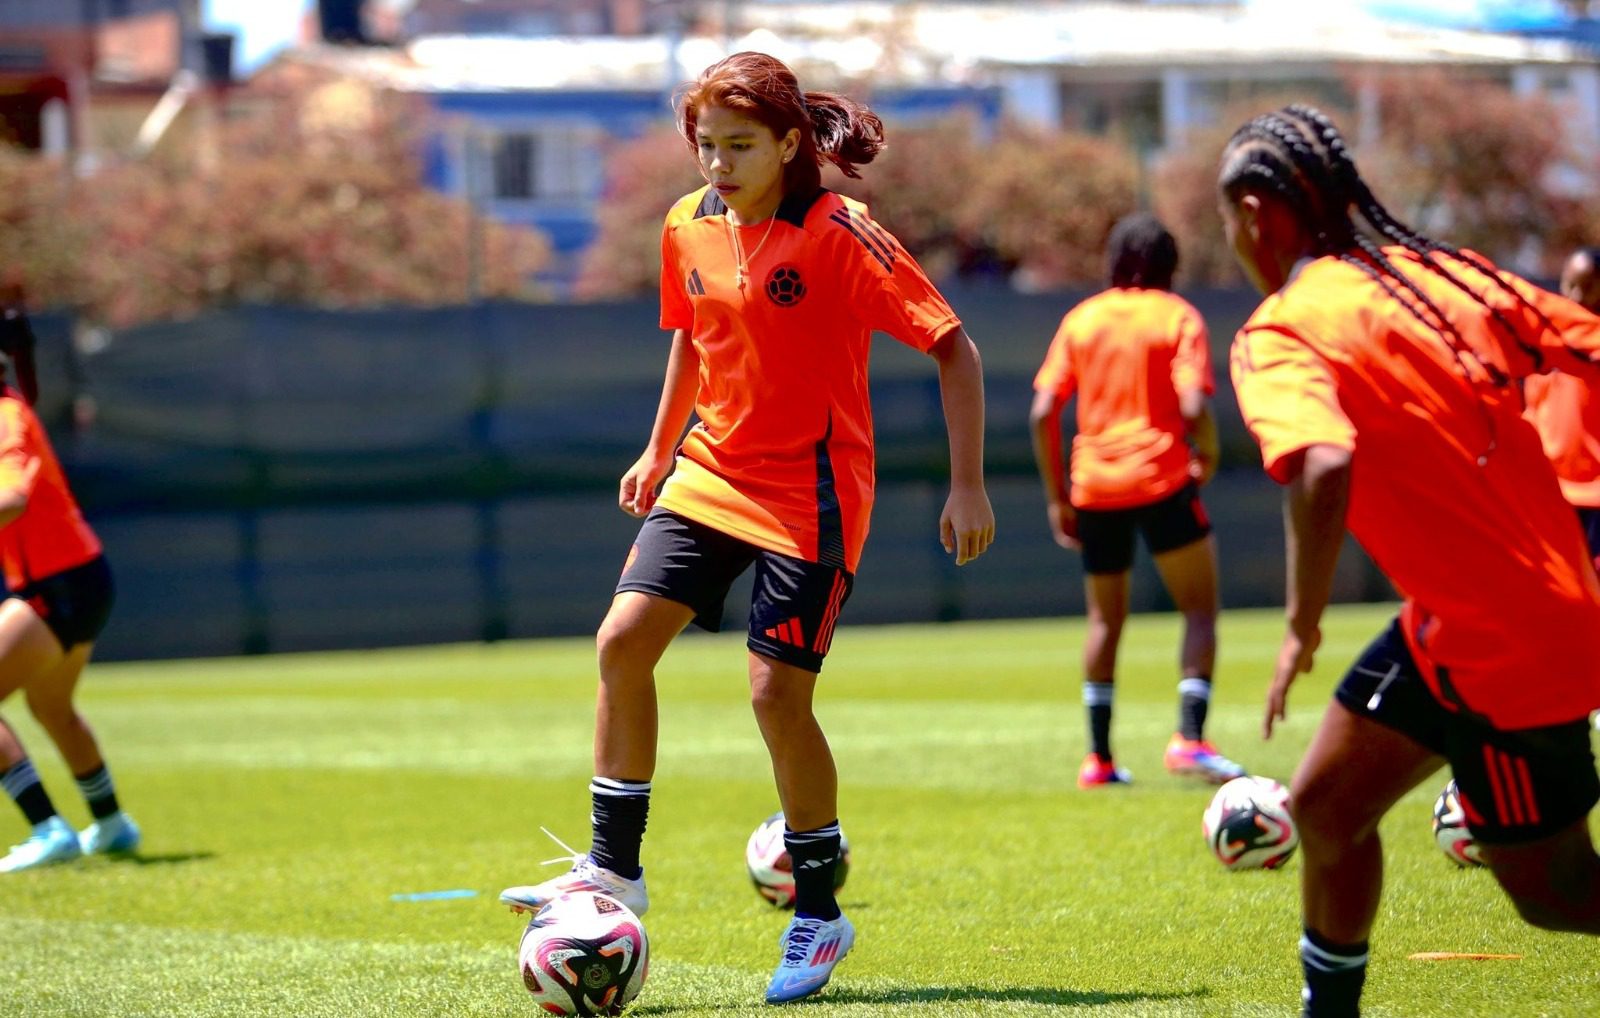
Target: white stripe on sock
(1327, 961)
(1098, 694)
(19, 778)
(820, 834)
(621, 789)
(1195, 687)
(96, 788)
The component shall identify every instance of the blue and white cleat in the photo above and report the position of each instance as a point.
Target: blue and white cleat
(117, 834)
(584, 876)
(52, 841)
(811, 949)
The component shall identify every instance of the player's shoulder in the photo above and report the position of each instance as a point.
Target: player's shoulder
(695, 205)
(1319, 302)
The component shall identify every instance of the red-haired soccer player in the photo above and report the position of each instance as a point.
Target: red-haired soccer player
(59, 599)
(1566, 410)
(773, 287)
(1136, 355)
(1380, 382)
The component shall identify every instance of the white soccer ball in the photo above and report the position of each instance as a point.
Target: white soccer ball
(771, 870)
(1248, 826)
(584, 954)
(1450, 828)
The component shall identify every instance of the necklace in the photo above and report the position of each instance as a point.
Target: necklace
(742, 261)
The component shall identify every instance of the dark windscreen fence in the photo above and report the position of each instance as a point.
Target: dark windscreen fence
(272, 479)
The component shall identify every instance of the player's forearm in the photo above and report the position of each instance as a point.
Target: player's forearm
(1202, 426)
(1045, 424)
(12, 503)
(677, 396)
(961, 389)
(1314, 512)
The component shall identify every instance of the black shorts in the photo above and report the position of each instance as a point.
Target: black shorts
(75, 603)
(1516, 786)
(1590, 520)
(1108, 535)
(795, 605)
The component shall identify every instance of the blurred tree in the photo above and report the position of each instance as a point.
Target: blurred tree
(283, 205)
(643, 178)
(40, 241)
(1045, 203)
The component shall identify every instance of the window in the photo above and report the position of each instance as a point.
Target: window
(513, 166)
(556, 163)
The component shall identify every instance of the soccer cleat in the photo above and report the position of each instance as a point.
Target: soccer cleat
(116, 834)
(1096, 772)
(811, 949)
(584, 876)
(1200, 759)
(52, 841)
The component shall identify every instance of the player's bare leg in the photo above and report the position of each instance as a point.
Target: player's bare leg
(1554, 882)
(28, 649)
(630, 643)
(1106, 595)
(1190, 576)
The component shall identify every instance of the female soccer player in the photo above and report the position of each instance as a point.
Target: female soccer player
(772, 286)
(1566, 410)
(59, 599)
(1138, 359)
(1380, 384)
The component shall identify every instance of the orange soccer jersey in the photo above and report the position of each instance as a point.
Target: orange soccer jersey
(50, 536)
(1128, 353)
(782, 455)
(1566, 411)
(1451, 492)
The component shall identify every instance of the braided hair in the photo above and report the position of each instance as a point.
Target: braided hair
(1299, 155)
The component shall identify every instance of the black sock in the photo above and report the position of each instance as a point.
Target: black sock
(99, 792)
(815, 857)
(619, 813)
(1194, 698)
(1097, 697)
(21, 782)
(1334, 975)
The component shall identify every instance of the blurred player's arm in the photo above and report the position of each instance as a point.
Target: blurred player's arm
(966, 527)
(1202, 429)
(638, 490)
(1044, 420)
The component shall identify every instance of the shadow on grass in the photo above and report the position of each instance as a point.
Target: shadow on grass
(159, 859)
(1049, 996)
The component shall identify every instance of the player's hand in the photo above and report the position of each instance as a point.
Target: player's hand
(1294, 659)
(1203, 467)
(1064, 525)
(966, 527)
(638, 491)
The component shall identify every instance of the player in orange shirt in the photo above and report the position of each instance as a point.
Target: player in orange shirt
(59, 598)
(1566, 410)
(1380, 383)
(1137, 358)
(773, 286)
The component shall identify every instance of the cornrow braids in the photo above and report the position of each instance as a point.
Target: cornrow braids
(1426, 248)
(1329, 201)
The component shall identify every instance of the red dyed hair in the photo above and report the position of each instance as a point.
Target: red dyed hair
(832, 127)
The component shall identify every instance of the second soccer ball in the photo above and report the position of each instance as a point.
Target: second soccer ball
(770, 868)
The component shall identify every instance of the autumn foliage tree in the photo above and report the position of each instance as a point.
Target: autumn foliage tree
(274, 206)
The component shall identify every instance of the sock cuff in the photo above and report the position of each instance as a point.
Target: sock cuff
(619, 789)
(1099, 694)
(96, 785)
(1326, 956)
(1197, 686)
(824, 833)
(19, 778)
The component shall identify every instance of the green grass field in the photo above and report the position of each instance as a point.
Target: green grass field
(285, 799)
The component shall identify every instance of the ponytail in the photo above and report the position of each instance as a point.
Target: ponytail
(846, 133)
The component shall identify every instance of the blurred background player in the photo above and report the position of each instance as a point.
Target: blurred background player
(773, 286)
(1565, 409)
(1137, 358)
(1380, 384)
(59, 598)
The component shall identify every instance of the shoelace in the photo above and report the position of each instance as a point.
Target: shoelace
(572, 858)
(797, 944)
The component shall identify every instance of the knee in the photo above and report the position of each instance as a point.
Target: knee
(776, 703)
(53, 715)
(1322, 818)
(618, 642)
